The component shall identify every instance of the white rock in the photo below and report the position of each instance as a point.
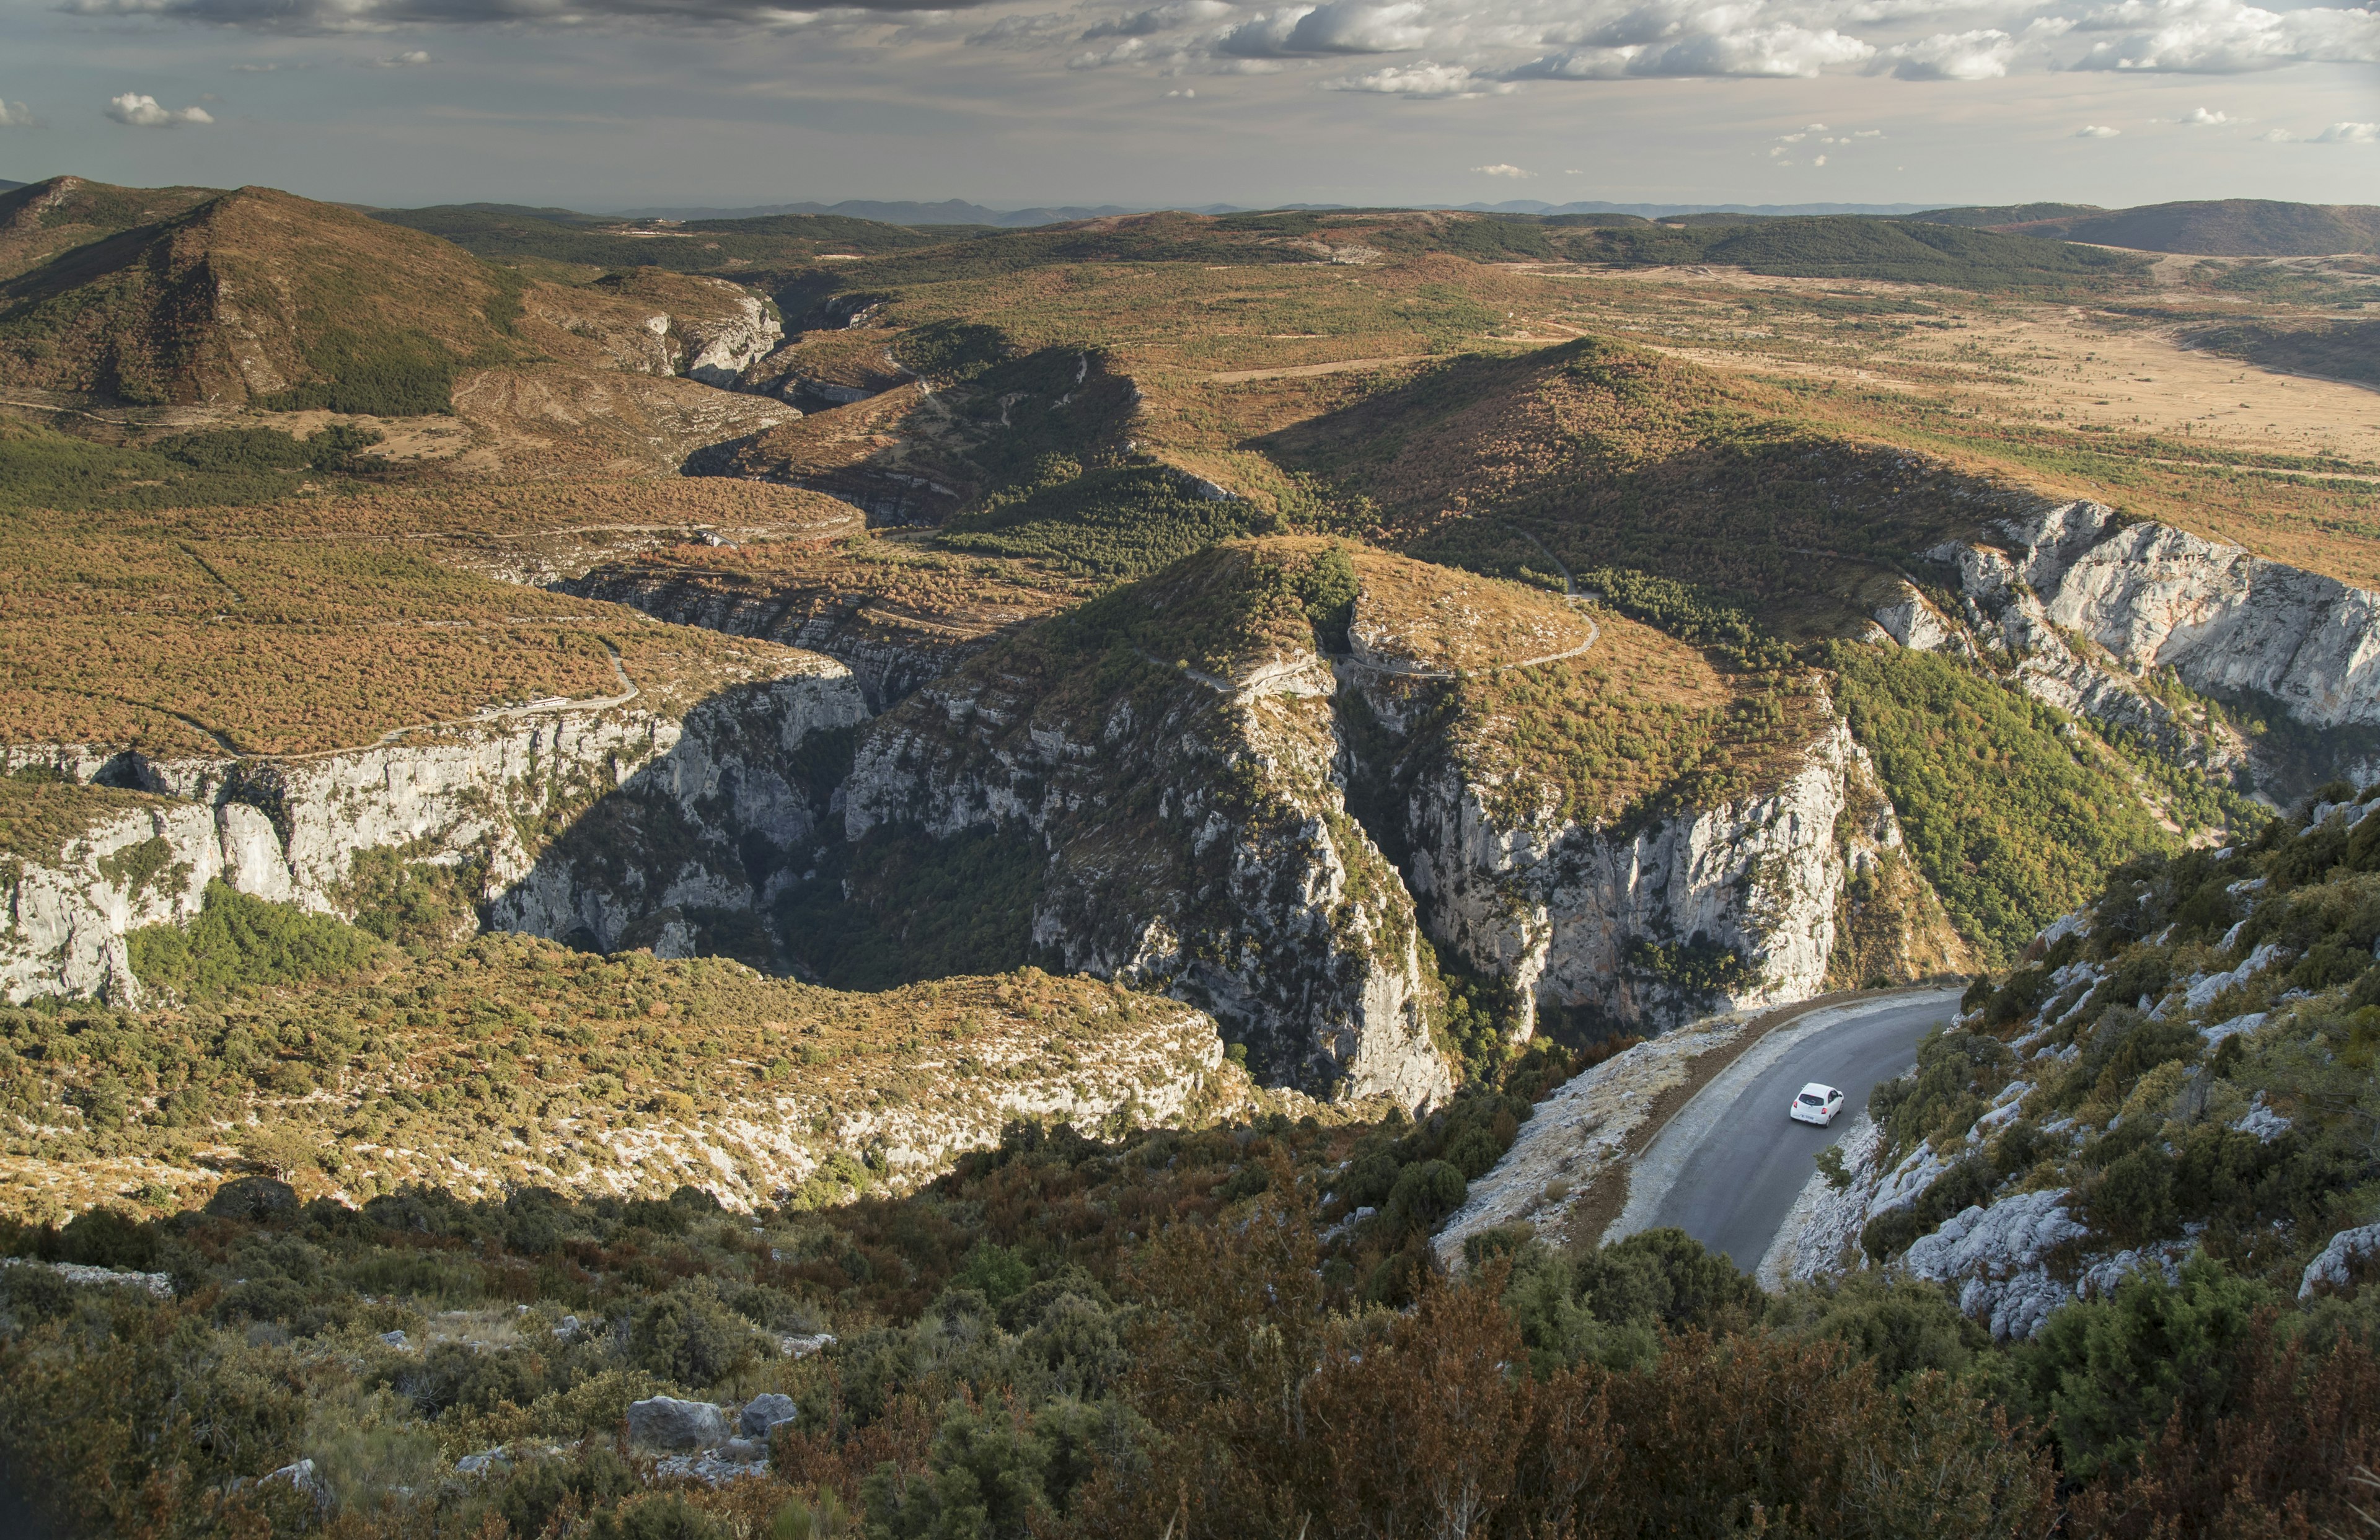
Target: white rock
(2262, 1121)
(2335, 1266)
(1994, 1256)
(161, 1285)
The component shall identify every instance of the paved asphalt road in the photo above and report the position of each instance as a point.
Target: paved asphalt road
(1733, 1192)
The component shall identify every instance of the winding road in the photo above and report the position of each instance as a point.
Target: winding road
(1729, 1166)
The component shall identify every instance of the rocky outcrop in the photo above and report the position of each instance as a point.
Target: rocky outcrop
(1196, 844)
(2085, 601)
(721, 347)
(619, 826)
(1654, 922)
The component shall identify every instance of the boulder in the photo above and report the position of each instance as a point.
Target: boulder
(763, 1413)
(666, 1423)
(253, 1198)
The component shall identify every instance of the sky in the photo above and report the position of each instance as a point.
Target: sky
(604, 104)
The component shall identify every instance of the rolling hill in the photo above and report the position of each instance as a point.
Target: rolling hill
(506, 233)
(2216, 227)
(252, 295)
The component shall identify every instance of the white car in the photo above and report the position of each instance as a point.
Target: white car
(1816, 1104)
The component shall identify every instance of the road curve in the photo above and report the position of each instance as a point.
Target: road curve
(1729, 1166)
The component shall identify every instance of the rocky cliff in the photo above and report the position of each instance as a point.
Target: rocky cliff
(1195, 838)
(1234, 809)
(2086, 604)
(616, 826)
(1657, 880)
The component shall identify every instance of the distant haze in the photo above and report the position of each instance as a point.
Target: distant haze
(1039, 106)
(955, 213)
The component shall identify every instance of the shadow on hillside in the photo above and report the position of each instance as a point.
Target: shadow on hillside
(684, 854)
(1615, 457)
(916, 459)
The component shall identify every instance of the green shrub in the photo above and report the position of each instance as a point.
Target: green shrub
(238, 942)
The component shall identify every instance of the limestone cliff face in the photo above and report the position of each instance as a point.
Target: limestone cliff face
(1658, 920)
(1197, 843)
(2082, 601)
(618, 827)
(721, 347)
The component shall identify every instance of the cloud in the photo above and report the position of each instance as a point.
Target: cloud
(142, 112)
(1501, 169)
(2096, 130)
(1713, 42)
(2228, 37)
(1147, 23)
(2199, 117)
(369, 16)
(1263, 35)
(2338, 133)
(1336, 27)
(14, 114)
(410, 58)
(1424, 81)
(1982, 54)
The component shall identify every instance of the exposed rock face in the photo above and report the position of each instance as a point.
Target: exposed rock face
(1998, 1259)
(724, 346)
(1569, 912)
(1198, 843)
(2150, 596)
(623, 826)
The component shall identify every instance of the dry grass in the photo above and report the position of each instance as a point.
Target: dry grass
(140, 637)
(1439, 619)
(1640, 720)
(514, 1061)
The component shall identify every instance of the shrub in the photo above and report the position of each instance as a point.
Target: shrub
(238, 942)
(1424, 1193)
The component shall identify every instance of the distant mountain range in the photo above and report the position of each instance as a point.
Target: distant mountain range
(956, 212)
(6, 186)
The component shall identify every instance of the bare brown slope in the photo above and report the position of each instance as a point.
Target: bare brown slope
(250, 296)
(41, 220)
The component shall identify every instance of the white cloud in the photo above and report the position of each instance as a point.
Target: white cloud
(14, 114)
(2096, 130)
(1712, 44)
(1501, 169)
(410, 58)
(1869, 133)
(1982, 54)
(1820, 161)
(2199, 117)
(2338, 133)
(1421, 79)
(142, 112)
(2227, 37)
(1139, 24)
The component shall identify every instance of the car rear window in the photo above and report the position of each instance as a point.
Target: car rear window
(1809, 1101)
